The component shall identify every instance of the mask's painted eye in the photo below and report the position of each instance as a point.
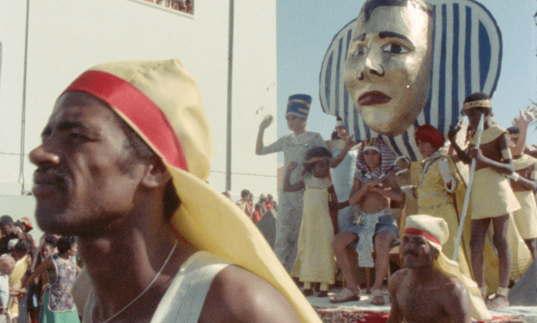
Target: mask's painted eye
(360, 50)
(395, 49)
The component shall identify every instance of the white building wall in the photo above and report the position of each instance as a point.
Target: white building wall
(68, 36)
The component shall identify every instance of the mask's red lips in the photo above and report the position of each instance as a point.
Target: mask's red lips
(373, 98)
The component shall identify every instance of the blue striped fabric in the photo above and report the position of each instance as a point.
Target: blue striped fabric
(467, 53)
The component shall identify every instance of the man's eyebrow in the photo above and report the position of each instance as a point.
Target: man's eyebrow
(391, 34)
(359, 37)
(47, 131)
(68, 125)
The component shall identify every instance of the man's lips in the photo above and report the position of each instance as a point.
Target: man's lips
(46, 182)
(373, 97)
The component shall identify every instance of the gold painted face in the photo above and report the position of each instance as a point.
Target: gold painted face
(388, 67)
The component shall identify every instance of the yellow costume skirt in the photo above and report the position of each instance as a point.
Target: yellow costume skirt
(315, 261)
(526, 217)
(492, 195)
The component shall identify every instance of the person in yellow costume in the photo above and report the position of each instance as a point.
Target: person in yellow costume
(436, 188)
(524, 184)
(491, 197)
(123, 165)
(20, 254)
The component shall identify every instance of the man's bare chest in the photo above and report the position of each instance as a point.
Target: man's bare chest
(421, 306)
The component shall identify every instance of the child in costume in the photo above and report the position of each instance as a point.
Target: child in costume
(524, 184)
(492, 198)
(375, 186)
(315, 260)
(294, 146)
(435, 190)
(343, 164)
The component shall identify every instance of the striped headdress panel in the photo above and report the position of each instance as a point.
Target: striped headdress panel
(467, 52)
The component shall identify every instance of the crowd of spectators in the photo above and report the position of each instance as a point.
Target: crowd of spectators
(255, 211)
(186, 6)
(22, 296)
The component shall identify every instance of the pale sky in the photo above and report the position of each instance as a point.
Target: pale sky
(305, 30)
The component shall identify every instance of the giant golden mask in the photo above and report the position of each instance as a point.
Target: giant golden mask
(388, 66)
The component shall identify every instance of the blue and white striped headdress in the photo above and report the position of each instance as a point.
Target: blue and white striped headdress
(467, 53)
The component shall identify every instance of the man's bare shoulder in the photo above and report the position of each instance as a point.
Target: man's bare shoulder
(455, 287)
(397, 278)
(237, 295)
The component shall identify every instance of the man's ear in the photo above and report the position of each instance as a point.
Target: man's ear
(156, 174)
(435, 253)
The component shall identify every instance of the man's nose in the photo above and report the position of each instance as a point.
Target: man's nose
(41, 156)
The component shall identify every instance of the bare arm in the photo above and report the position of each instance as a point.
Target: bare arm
(523, 121)
(396, 315)
(528, 184)
(526, 179)
(45, 265)
(264, 125)
(393, 191)
(505, 167)
(336, 160)
(358, 191)
(452, 134)
(287, 186)
(458, 305)
(329, 145)
(237, 295)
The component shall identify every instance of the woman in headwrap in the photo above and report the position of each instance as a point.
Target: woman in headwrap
(294, 147)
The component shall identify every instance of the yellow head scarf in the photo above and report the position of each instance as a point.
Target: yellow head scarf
(160, 100)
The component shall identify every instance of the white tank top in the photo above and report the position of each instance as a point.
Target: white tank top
(184, 299)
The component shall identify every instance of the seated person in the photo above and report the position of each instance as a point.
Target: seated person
(431, 278)
(374, 186)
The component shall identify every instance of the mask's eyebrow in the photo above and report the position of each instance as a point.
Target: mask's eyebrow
(391, 34)
(359, 38)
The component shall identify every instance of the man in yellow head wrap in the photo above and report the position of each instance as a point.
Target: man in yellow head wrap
(123, 165)
(431, 279)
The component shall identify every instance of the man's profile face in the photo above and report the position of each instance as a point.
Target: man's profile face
(417, 251)
(81, 184)
(388, 67)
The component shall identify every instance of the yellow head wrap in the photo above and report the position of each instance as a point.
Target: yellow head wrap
(160, 100)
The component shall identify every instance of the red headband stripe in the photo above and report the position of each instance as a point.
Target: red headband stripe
(138, 108)
(424, 234)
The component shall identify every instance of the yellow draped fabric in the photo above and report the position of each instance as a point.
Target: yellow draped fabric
(526, 217)
(434, 200)
(488, 135)
(524, 161)
(15, 282)
(491, 195)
